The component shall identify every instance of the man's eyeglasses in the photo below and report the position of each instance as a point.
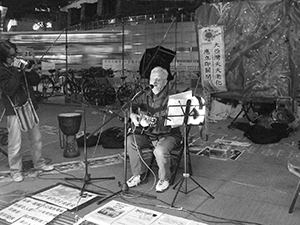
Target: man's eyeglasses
(157, 79)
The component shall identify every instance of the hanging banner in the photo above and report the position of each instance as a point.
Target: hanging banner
(212, 59)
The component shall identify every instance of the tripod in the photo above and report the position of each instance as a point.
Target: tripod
(87, 176)
(186, 175)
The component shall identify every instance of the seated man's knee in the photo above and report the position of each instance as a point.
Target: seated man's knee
(159, 151)
(130, 141)
(135, 142)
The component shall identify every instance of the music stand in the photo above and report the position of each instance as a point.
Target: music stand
(181, 113)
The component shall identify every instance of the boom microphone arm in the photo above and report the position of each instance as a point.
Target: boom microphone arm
(125, 106)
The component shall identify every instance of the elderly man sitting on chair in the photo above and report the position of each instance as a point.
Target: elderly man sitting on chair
(148, 118)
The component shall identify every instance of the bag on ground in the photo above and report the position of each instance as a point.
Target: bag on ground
(112, 137)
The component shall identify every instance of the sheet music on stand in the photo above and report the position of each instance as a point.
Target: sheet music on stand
(177, 106)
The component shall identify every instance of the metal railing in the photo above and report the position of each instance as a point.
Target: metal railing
(132, 20)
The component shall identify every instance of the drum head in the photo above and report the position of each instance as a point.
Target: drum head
(69, 123)
(69, 114)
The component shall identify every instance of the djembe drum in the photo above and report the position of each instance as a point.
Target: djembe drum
(69, 125)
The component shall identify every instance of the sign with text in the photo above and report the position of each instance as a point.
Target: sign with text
(212, 58)
(65, 196)
(29, 211)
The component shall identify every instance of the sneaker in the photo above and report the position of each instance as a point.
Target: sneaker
(162, 185)
(46, 168)
(17, 177)
(134, 181)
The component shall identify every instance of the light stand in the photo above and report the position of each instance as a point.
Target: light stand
(186, 175)
(87, 176)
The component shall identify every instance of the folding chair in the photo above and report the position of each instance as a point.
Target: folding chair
(176, 156)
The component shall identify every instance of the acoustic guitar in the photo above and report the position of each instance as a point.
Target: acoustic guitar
(146, 120)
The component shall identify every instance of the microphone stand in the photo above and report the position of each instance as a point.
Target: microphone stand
(87, 176)
(127, 112)
(126, 108)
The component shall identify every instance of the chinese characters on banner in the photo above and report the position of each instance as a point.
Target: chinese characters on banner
(212, 59)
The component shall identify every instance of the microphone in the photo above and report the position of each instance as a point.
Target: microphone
(148, 88)
(138, 94)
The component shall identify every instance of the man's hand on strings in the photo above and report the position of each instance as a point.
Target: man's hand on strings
(135, 119)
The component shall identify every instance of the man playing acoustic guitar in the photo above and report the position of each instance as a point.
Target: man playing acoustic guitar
(155, 135)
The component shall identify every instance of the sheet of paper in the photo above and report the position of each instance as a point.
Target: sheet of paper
(183, 95)
(47, 212)
(138, 216)
(19, 209)
(65, 196)
(177, 109)
(30, 220)
(166, 219)
(109, 212)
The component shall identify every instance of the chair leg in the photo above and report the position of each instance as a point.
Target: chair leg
(295, 198)
(173, 174)
(150, 165)
(176, 166)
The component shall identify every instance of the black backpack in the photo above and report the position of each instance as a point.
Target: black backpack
(90, 142)
(112, 137)
(261, 135)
